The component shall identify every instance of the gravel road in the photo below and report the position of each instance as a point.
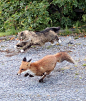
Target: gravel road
(67, 82)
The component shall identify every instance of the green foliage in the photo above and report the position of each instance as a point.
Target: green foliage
(70, 11)
(67, 31)
(84, 17)
(21, 15)
(17, 15)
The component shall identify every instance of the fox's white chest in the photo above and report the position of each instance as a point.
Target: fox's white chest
(29, 71)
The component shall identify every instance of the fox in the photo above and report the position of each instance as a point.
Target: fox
(29, 38)
(44, 66)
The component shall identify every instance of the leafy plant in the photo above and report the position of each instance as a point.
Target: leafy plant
(67, 31)
(84, 17)
(17, 15)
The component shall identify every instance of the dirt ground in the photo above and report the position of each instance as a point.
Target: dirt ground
(66, 83)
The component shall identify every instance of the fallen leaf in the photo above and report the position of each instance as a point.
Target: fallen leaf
(84, 59)
(38, 95)
(76, 38)
(17, 39)
(12, 38)
(0, 40)
(84, 64)
(76, 73)
(66, 67)
(49, 46)
(57, 44)
(76, 66)
(78, 43)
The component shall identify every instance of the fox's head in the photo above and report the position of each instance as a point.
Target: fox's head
(25, 66)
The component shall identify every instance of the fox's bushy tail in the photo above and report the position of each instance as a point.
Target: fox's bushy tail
(69, 59)
(61, 56)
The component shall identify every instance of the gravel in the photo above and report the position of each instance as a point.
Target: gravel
(68, 84)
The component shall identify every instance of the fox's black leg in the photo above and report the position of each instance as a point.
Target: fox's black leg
(44, 75)
(41, 80)
(31, 75)
(28, 74)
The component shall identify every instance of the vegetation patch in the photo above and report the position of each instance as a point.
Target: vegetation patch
(36, 15)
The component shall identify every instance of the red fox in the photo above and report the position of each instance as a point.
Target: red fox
(43, 66)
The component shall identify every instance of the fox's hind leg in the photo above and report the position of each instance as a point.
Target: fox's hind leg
(41, 80)
(46, 73)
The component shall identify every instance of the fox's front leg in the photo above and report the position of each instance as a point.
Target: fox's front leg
(28, 74)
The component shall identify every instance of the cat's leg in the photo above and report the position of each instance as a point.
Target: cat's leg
(21, 44)
(28, 45)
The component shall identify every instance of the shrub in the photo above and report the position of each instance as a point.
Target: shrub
(20, 15)
(68, 11)
(17, 15)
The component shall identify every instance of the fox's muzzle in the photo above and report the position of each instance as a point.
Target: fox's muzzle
(18, 74)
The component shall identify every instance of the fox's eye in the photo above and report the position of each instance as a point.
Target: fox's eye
(22, 69)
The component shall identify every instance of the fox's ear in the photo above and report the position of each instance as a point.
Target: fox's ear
(29, 60)
(24, 59)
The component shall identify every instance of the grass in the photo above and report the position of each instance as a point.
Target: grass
(8, 33)
(76, 73)
(49, 47)
(84, 64)
(4, 34)
(76, 31)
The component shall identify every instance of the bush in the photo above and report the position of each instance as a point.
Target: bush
(68, 11)
(20, 15)
(17, 15)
